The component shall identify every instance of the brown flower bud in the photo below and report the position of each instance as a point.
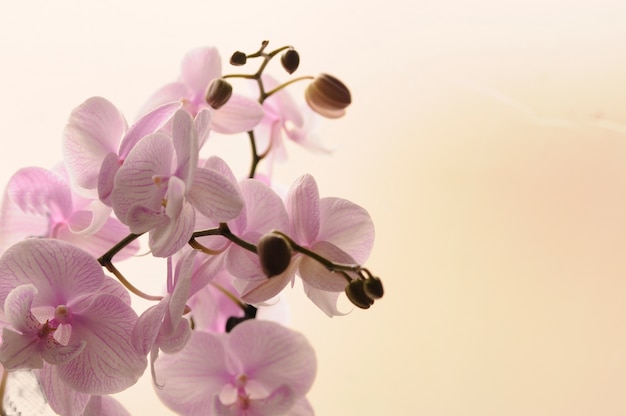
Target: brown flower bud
(274, 253)
(373, 288)
(218, 93)
(328, 96)
(290, 59)
(238, 58)
(356, 293)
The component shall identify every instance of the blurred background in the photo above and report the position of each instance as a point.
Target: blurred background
(487, 139)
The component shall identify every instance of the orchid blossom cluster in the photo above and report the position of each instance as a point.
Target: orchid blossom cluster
(230, 245)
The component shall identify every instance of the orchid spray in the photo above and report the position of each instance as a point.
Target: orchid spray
(231, 246)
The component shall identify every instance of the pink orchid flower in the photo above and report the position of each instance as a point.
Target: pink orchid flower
(198, 68)
(159, 187)
(96, 140)
(259, 368)
(163, 327)
(285, 119)
(62, 310)
(335, 228)
(39, 202)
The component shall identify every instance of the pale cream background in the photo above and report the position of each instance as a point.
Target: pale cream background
(486, 141)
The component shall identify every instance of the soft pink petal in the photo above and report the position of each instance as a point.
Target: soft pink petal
(104, 406)
(303, 207)
(302, 407)
(265, 210)
(215, 196)
(192, 377)
(109, 363)
(141, 219)
(60, 271)
(17, 226)
(56, 354)
(348, 226)
(106, 178)
(274, 355)
(185, 145)
(258, 291)
(278, 402)
(238, 115)
(17, 308)
(175, 91)
(326, 301)
(40, 191)
(317, 275)
(199, 67)
(137, 181)
(167, 239)
(61, 398)
(20, 351)
(149, 123)
(202, 122)
(89, 221)
(94, 129)
(145, 332)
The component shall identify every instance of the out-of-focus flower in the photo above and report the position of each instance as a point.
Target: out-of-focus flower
(40, 203)
(259, 368)
(198, 68)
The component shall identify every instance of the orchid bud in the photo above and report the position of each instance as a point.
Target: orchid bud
(238, 58)
(356, 293)
(274, 253)
(373, 288)
(328, 96)
(218, 93)
(290, 59)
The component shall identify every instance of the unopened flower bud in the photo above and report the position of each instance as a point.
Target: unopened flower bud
(238, 58)
(356, 293)
(290, 59)
(218, 93)
(328, 96)
(373, 288)
(274, 253)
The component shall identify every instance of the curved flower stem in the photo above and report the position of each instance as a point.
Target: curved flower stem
(230, 296)
(106, 261)
(110, 267)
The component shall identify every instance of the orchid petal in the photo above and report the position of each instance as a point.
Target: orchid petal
(148, 124)
(303, 207)
(202, 122)
(274, 355)
(20, 351)
(146, 329)
(94, 129)
(59, 271)
(104, 406)
(238, 115)
(106, 177)
(109, 363)
(326, 301)
(317, 275)
(63, 399)
(215, 196)
(40, 191)
(195, 375)
(17, 308)
(348, 226)
(199, 67)
(174, 91)
(167, 239)
(185, 145)
(16, 226)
